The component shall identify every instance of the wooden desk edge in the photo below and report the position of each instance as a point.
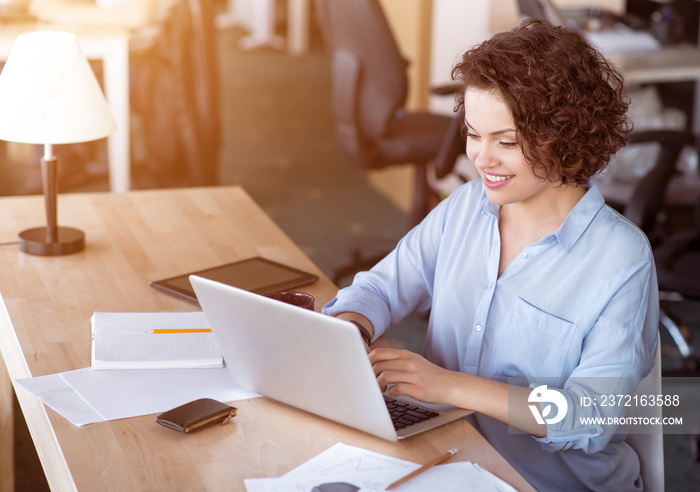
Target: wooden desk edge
(52, 460)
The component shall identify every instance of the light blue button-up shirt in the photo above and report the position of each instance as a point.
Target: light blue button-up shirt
(582, 302)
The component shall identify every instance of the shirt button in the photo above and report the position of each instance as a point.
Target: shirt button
(525, 256)
(478, 327)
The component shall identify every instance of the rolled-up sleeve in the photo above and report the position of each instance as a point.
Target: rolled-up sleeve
(399, 284)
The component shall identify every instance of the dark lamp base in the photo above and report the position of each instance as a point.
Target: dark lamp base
(33, 241)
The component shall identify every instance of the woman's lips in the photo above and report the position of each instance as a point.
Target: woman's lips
(496, 180)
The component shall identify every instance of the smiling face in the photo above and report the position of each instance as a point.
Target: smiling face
(493, 147)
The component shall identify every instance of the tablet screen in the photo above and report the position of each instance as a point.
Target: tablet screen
(257, 275)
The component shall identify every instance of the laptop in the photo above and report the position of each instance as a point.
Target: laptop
(308, 360)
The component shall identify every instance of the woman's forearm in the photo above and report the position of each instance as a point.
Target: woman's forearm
(503, 402)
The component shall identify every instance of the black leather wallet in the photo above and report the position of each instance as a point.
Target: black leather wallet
(196, 415)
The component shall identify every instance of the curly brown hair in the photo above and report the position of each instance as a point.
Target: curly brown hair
(568, 103)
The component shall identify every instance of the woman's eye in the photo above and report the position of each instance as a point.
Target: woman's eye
(509, 145)
(472, 136)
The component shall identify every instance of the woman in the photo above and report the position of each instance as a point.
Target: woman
(526, 272)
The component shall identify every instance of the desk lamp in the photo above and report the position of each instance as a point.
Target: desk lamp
(49, 95)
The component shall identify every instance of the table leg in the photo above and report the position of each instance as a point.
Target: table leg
(229, 17)
(116, 81)
(696, 110)
(298, 27)
(263, 28)
(7, 433)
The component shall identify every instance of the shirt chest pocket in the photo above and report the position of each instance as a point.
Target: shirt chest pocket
(532, 343)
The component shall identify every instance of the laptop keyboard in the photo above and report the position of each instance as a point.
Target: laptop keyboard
(404, 414)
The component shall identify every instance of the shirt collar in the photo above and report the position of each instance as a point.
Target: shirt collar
(575, 223)
(580, 217)
(488, 207)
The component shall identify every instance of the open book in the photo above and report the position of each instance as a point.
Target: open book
(128, 341)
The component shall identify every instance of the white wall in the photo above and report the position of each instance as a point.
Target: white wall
(457, 25)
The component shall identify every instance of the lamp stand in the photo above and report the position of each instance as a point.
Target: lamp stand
(51, 240)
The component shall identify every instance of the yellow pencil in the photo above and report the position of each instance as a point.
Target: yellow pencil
(184, 330)
(423, 468)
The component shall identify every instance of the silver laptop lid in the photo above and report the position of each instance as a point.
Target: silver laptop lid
(305, 359)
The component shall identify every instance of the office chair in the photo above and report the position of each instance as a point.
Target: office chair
(540, 9)
(650, 447)
(532, 9)
(677, 260)
(372, 126)
(176, 96)
(677, 254)
(649, 198)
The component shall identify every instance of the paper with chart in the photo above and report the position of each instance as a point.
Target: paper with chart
(344, 468)
(338, 464)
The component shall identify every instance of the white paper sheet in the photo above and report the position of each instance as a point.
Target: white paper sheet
(85, 396)
(345, 468)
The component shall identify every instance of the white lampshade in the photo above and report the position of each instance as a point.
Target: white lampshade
(49, 94)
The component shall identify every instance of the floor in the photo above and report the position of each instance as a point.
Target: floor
(278, 144)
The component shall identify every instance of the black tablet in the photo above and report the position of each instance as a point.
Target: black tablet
(258, 275)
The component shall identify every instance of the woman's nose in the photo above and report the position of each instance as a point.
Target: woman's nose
(482, 155)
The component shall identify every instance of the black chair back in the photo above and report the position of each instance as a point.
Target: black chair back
(648, 198)
(532, 9)
(369, 79)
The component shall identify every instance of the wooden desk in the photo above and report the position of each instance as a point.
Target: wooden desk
(112, 47)
(133, 238)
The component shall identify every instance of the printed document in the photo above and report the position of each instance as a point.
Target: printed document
(344, 468)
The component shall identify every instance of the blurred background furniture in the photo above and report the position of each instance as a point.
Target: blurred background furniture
(176, 95)
(650, 206)
(540, 9)
(678, 269)
(674, 232)
(675, 241)
(373, 127)
(258, 17)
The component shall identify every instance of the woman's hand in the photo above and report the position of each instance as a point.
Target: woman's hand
(407, 373)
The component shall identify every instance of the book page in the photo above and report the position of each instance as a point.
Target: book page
(127, 341)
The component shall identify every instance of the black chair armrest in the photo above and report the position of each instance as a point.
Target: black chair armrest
(648, 196)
